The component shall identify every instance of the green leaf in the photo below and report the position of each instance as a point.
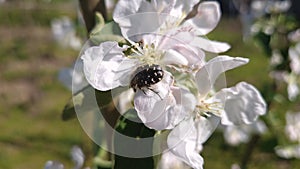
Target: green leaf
(130, 125)
(105, 32)
(100, 22)
(82, 100)
(102, 160)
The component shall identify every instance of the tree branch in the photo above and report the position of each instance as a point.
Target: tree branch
(89, 8)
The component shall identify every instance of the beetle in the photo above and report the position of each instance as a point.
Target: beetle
(145, 76)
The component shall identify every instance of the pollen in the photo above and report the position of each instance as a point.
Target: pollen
(204, 108)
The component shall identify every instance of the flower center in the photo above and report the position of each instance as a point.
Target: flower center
(172, 22)
(205, 108)
(147, 54)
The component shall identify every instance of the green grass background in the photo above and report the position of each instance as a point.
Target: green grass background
(32, 99)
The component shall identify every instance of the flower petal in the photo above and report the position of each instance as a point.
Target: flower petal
(209, 45)
(182, 142)
(206, 19)
(287, 152)
(207, 75)
(293, 90)
(134, 23)
(170, 161)
(294, 54)
(205, 128)
(102, 64)
(164, 113)
(125, 8)
(186, 6)
(243, 104)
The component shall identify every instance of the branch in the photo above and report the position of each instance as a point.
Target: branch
(89, 8)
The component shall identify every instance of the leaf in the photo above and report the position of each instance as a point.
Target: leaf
(131, 126)
(100, 22)
(105, 32)
(82, 100)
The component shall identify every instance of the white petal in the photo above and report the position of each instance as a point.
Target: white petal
(170, 161)
(206, 19)
(182, 142)
(179, 50)
(53, 165)
(124, 101)
(136, 23)
(173, 57)
(152, 104)
(175, 38)
(163, 6)
(292, 128)
(235, 135)
(102, 64)
(243, 104)
(205, 127)
(293, 90)
(185, 104)
(294, 55)
(210, 46)
(207, 75)
(125, 8)
(166, 113)
(186, 6)
(291, 151)
(152, 111)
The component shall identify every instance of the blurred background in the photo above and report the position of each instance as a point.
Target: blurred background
(40, 38)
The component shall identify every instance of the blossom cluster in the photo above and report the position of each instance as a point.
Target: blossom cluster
(168, 76)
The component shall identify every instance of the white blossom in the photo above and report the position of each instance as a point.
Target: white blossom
(237, 134)
(241, 104)
(166, 44)
(287, 152)
(292, 128)
(64, 33)
(73, 78)
(168, 17)
(170, 161)
(294, 55)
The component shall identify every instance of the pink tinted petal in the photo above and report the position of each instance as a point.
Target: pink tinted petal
(243, 104)
(101, 63)
(182, 142)
(206, 19)
(207, 75)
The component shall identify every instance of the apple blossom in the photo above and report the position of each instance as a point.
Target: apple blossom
(292, 127)
(241, 104)
(237, 134)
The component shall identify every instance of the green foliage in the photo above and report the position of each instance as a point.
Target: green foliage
(130, 125)
(82, 99)
(105, 32)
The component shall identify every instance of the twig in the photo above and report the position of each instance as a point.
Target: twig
(89, 8)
